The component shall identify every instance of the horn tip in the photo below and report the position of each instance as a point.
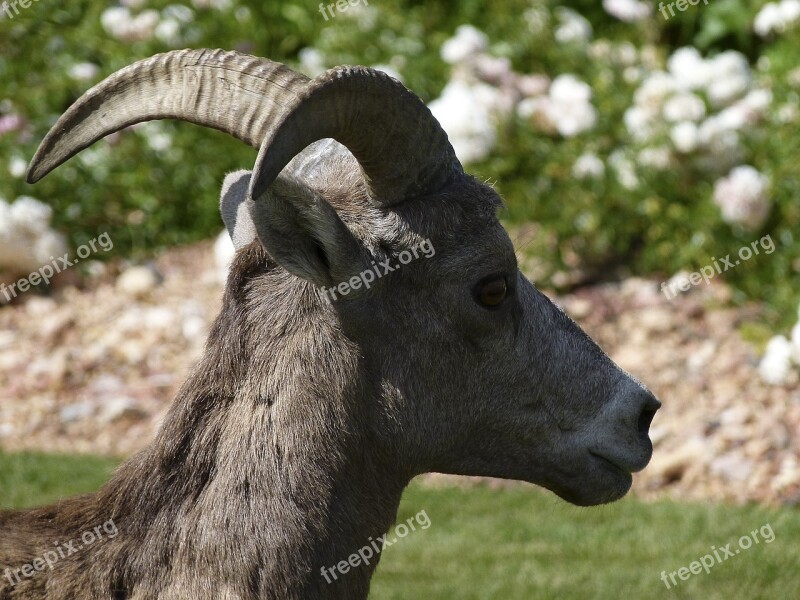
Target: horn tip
(37, 169)
(33, 175)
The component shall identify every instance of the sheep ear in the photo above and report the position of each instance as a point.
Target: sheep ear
(304, 234)
(234, 209)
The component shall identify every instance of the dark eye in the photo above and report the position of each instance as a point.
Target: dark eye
(492, 292)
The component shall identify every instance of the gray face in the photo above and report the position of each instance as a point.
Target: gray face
(488, 376)
(480, 373)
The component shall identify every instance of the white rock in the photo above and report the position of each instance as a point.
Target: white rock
(76, 412)
(138, 281)
(776, 363)
(118, 408)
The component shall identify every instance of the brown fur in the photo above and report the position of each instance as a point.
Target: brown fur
(290, 444)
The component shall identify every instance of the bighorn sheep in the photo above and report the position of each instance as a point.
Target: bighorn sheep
(291, 442)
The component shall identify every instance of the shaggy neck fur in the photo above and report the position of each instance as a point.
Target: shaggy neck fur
(270, 466)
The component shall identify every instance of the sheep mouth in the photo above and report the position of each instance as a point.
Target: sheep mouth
(612, 465)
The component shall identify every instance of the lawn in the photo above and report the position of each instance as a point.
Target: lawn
(524, 543)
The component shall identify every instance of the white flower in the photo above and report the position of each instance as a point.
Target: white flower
(743, 197)
(571, 109)
(776, 363)
(790, 11)
(179, 12)
(778, 17)
(654, 91)
(120, 24)
(466, 43)
(30, 214)
(573, 27)
(588, 166)
(532, 85)
(627, 10)
(215, 4)
(796, 343)
(685, 137)
(633, 75)
(720, 142)
(312, 63)
(688, 68)
(600, 49)
(788, 113)
(114, 19)
(169, 32)
(568, 88)
(17, 167)
(158, 137)
(496, 71)
(566, 109)
(624, 169)
(624, 54)
(730, 77)
(465, 113)
(657, 158)
(84, 71)
(684, 106)
(639, 124)
(537, 19)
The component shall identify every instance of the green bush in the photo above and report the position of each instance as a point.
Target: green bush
(157, 186)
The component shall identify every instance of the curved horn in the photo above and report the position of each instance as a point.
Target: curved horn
(235, 93)
(402, 149)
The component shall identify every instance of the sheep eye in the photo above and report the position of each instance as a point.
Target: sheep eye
(492, 292)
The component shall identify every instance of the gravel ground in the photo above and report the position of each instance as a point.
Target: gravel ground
(93, 370)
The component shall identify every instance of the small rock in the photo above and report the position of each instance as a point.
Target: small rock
(138, 282)
(194, 327)
(159, 318)
(7, 339)
(732, 467)
(735, 415)
(76, 412)
(38, 306)
(120, 407)
(577, 308)
(656, 319)
(671, 465)
(106, 384)
(699, 358)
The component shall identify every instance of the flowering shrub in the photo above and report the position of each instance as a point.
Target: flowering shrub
(780, 357)
(629, 138)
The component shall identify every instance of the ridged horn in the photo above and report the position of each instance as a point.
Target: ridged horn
(402, 149)
(239, 94)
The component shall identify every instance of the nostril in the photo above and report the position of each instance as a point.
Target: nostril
(645, 418)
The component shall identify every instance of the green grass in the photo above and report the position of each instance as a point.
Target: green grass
(30, 479)
(523, 543)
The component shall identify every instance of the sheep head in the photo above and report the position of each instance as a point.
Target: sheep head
(475, 371)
